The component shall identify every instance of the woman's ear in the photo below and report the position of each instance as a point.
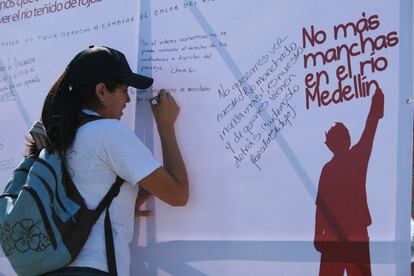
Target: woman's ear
(100, 89)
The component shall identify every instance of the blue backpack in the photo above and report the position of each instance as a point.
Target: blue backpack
(44, 221)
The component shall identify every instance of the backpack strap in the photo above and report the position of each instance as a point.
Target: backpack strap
(109, 245)
(110, 195)
(109, 240)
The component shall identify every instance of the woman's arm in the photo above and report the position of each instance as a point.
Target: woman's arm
(170, 182)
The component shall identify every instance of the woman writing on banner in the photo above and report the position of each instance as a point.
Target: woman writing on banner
(96, 83)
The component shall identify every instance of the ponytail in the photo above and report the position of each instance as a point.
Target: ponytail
(60, 115)
(62, 110)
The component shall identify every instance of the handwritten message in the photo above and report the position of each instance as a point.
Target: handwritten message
(258, 105)
(181, 56)
(173, 53)
(357, 46)
(16, 73)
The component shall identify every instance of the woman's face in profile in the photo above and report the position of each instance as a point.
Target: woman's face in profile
(114, 102)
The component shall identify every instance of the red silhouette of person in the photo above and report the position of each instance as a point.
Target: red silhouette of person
(342, 214)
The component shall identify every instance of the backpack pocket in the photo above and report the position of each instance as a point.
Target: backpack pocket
(27, 235)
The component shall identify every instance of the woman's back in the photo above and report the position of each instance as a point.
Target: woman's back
(103, 149)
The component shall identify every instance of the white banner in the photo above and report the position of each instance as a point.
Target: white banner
(287, 142)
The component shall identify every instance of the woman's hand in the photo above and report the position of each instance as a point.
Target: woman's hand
(166, 111)
(143, 195)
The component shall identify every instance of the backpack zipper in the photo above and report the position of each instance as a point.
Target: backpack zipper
(43, 162)
(43, 214)
(48, 189)
(8, 195)
(21, 170)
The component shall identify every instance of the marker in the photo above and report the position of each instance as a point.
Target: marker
(155, 100)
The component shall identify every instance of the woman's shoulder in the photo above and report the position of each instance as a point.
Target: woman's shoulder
(105, 132)
(104, 128)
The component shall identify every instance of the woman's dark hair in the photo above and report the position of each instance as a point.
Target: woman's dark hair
(62, 110)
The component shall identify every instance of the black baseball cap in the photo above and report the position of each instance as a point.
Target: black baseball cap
(99, 64)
